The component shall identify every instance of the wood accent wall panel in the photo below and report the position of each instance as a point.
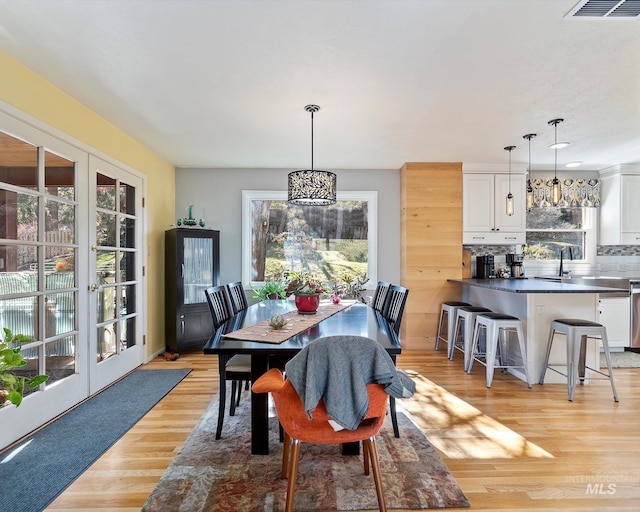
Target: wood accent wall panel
(431, 245)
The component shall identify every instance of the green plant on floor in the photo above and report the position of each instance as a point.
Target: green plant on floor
(11, 358)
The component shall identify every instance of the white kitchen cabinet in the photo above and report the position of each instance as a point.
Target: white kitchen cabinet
(615, 315)
(620, 207)
(484, 212)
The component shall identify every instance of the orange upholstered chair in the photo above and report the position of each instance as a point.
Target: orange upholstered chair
(299, 428)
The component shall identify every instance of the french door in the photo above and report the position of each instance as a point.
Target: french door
(115, 270)
(70, 270)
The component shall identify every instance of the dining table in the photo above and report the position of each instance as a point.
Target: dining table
(353, 319)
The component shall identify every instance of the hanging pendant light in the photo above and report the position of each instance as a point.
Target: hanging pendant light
(510, 206)
(530, 198)
(310, 187)
(556, 192)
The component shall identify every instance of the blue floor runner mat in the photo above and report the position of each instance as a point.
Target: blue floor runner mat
(35, 472)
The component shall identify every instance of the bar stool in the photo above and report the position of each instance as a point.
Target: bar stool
(578, 330)
(497, 326)
(449, 309)
(462, 338)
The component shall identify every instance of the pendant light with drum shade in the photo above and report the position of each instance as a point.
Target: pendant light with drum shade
(310, 187)
(510, 207)
(529, 136)
(556, 191)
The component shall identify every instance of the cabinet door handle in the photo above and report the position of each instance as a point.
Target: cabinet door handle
(477, 238)
(182, 327)
(510, 238)
(182, 270)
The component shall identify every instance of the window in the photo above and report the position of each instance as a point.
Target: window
(328, 241)
(570, 230)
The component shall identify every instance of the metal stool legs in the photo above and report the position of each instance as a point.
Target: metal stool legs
(577, 333)
(497, 326)
(449, 309)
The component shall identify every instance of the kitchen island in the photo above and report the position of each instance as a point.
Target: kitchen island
(537, 302)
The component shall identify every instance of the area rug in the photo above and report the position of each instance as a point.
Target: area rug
(37, 470)
(625, 359)
(222, 476)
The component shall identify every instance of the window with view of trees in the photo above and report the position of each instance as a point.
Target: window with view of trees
(552, 230)
(328, 241)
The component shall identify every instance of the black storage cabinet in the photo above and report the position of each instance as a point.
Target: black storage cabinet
(192, 264)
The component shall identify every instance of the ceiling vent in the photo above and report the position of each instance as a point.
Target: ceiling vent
(605, 9)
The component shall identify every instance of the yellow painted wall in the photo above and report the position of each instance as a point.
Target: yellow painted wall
(27, 91)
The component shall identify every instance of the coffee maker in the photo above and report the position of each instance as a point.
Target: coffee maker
(514, 261)
(485, 267)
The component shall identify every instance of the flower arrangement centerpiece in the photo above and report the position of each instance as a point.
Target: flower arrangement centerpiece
(306, 288)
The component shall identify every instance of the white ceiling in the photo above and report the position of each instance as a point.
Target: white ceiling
(224, 83)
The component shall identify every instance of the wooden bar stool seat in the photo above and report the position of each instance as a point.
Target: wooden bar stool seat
(577, 333)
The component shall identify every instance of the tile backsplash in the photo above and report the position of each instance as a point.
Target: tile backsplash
(612, 260)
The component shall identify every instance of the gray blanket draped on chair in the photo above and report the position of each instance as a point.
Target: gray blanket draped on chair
(346, 400)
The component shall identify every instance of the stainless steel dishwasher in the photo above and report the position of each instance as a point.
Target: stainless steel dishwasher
(635, 313)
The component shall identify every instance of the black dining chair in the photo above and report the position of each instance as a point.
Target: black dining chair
(393, 309)
(394, 306)
(237, 297)
(380, 295)
(235, 368)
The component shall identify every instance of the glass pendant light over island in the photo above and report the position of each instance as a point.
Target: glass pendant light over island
(510, 195)
(310, 187)
(530, 196)
(556, 192)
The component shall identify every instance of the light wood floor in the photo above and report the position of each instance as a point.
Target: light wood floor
(509, 447)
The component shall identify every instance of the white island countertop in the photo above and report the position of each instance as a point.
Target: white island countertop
(532, 286)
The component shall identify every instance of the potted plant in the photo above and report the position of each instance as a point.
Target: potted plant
(270, 290)
(10, 357)
(348, 287)
(306, 289)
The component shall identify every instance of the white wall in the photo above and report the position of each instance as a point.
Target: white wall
(217, 197)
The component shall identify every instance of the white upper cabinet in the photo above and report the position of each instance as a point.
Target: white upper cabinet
(484, 211)
(620, 205)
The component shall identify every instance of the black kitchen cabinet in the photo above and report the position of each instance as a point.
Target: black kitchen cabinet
(192, 264)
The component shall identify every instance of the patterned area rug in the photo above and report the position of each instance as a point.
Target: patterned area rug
(222, 475)
(622, 360)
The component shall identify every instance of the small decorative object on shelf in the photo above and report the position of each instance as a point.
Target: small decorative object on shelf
(190, 220)
(335, 298)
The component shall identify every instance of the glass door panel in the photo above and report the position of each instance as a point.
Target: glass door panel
(116, 246)
(198, 262)
(38, 275)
